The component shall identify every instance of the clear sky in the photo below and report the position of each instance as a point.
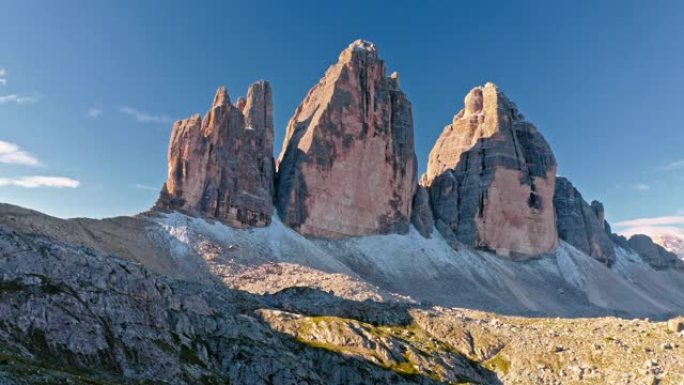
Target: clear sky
(89, 89)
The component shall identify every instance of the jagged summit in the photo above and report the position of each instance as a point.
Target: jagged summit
(348, 164)
(360, 45)
(222, 166)
(222, 98)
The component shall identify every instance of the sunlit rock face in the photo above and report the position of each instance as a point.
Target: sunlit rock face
(348, 164)
(222, 166)
(491, 177)
(582, 225)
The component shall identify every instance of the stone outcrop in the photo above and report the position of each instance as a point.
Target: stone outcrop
(582, 225)
(222, 166)
(421, 213)
(491, 177)
(652, 253)
(348, 164)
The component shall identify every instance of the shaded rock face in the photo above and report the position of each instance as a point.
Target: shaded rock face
(421, 213)
(222, 166)
(582, 225)
(652, 253)
(491, 177)
(348, 165)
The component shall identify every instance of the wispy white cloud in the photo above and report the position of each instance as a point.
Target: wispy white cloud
(676, 165)
(146, 187)
(94, 113)
(641, 187)
(655, 221)
(3, 76)
(11, 153)
(40, 181)
(144, 117)
(653, 227)
(653, 231)
(18, 99)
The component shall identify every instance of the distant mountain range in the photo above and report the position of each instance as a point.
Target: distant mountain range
(671, 243)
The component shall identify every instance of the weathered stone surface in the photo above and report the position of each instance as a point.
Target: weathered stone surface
(491, 177)
(582, 225)
(421, 213)
(348, 165)
(222, 166)
(652, 253)
(72, 315)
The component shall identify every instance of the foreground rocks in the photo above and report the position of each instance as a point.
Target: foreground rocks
(222, 166)
(348, 164)
(70, 315)
(491, 177)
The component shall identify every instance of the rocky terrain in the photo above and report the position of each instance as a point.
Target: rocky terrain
(338, 266)
(73, 315)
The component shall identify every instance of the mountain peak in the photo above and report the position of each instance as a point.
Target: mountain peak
(222, 98)
(222, 166)
(491, 177)
(348, 164)
(359, 49)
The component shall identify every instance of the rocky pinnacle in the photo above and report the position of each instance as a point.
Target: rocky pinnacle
(222, 166)
(348, 164)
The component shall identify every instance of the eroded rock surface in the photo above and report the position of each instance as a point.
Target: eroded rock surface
(491, 177)
(222, 166)
(582, 225)
(348, 164)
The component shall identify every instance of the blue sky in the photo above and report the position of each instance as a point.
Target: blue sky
(89, 89)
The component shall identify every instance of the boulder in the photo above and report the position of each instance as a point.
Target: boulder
(348, 164)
